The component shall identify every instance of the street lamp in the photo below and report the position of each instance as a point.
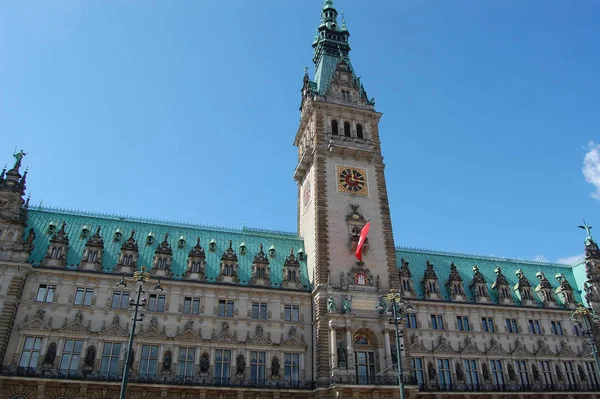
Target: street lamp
(394, 304)
(588, 315)
(139, 278)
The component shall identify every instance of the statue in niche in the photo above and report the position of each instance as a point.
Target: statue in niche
(342, 276)
(275, 366)
(240, 365)
(204, 363)
(347, 305)
(90, 356)
(225, 327)
(166, 367)
(486, 372)
(536, 372)
(511, 372)
(394, 355)
(331, 304)
(431, 371)
(558, 372)
(460, 376)
(50, 354)
(582, 375)
(378, 284)
(342, 358)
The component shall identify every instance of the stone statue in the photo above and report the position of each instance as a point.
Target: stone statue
(342, 279)
(378, 284)
(536, 372)
(486, 372)
(342, 358)
(31, 237)
(431, 372)
(460, 376)
(90, 356)
(275, 366)
(240, 365)
(204, 363)
(511, 372)
(347, 305)
(154, 322)
(79, 316)
(167, 362)
(394, 355)
(331, 304)
(225, 327)
(19, 156)
(50, 354)
(116, 320)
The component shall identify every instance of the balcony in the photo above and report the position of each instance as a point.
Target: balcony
(39, 373)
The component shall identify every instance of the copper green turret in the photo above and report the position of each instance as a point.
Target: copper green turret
(330, 46)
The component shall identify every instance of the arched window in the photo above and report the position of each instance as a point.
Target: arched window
(359, 131)
(195, 267)
(334, 127)
(346, 129)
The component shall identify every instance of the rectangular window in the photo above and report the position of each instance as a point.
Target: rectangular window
(110, 357)
(365, 367)
(591, 372)
(30, 355)
(70, 355)
(185, 362)
(534, 327)
(259, 311)
(120, 300)
(522, 373)
(462, 323)
(83, 296)
(511, 326)
(191, 305)
(156, 303)
(411, 320)
(569, 373)
(149, 359)
(487, 324)
(437, 322)
(292, 313)
(444, 373)
(556, 327)
(258, 364)
(416, 365)
(292, 366)
(497, 373)
(45, 293)
(577, 329)
(471, 376)
(225, 308)
(546, 370)
(222, 363)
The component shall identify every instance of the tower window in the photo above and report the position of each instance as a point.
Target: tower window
(359, 131)
(346, 129)
(334, 127)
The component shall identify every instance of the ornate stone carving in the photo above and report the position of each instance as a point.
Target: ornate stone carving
(291, 271)
(228, 269)
(56, 255)
(196, 262)
(93, 252)
(430, 282)
(260, 269)
(163, 259)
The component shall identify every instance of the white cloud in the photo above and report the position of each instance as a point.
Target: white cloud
(540, 258)
(591, 167)
(569, 260)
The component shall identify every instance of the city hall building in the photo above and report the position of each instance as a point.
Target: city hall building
(254, 314)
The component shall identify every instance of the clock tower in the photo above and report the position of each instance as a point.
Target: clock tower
(341, 186)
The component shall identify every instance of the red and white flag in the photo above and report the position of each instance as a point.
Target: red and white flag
(363, 235)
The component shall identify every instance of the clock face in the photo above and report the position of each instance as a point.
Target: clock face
(352, 180)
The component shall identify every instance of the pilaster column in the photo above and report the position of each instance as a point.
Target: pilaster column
(349, 348)
(388, 348)
(332, 348)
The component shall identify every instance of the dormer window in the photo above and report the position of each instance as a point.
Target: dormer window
(334, 127)
(181, 242)
(432, 286)
(85, 231)
(260, 272)
(150, 239)
(51, 228)
(162, 263)
(118, 235)
(346, 129)
(291, 275)
(228, 270)
(359, 131)
(196, 267)
(92, 256)
(127, 260)
(405, 284)
(56, 252)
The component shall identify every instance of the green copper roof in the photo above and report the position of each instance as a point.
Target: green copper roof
(441, 261)
(40, 218)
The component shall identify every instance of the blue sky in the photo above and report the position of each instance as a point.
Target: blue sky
(186, 110)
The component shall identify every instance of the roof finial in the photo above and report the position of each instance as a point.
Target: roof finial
(18, 156)
(588, 230)
(343, 21)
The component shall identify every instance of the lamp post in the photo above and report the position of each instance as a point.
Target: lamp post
(394, 304)
(139, 278)
(587, 315)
